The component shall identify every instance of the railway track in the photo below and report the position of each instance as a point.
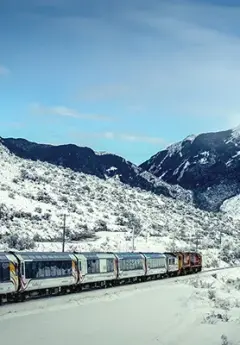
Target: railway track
(115, 287)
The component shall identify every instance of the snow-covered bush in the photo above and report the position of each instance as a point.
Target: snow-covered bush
(19, 242)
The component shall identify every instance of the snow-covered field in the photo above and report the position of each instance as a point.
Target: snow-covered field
(203, 309)
(101, 215)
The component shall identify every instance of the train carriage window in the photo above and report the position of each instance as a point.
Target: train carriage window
(122, 265)
(34, 269)
(79, 265)
(69, 268)
(4, 272)
(139, 264)
(156, 263)
(47, 269)
(93, 266)
(53, 269)
(28, 269)
(130, 264)
(59, 268)
(110, 265)
(40, 273)
(65, 268)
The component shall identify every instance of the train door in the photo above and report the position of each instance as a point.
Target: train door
(180, 261)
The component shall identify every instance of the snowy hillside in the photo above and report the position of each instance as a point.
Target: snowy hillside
(100, 164)
(207, 164)
(100, 214)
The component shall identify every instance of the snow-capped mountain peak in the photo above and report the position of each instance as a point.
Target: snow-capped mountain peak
(207, 164)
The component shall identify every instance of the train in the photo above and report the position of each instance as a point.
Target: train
(24, 275)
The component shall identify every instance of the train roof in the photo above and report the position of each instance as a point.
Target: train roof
(48, 256)
(153, 255)
(3, 256)
(95, 255)
(128, 255)
(170, 254)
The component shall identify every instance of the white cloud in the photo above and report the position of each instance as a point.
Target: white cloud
(232, 121)
(4, 70)
(102, 92)
(121, 136)
(181, 58)
(173, 57)
(67, 112)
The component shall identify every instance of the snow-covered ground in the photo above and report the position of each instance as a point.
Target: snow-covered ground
(232, 206)
(202, 309)
(101, 215)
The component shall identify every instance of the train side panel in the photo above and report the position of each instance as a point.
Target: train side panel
(46, 270)
(96, 267)
(196, 261)
(156, 263)
(130, 265)
(189, 262)
(172, 263)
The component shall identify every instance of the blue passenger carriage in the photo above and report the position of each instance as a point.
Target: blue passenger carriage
(172, 263)
(96, 268)
(156, 265)
(47, 270)
(130, 265)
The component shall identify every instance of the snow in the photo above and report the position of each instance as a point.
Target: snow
(233, 158)
(174, 148)
(190, 137)
(232, 207)
(101, 215)
(102, 153)
(202, 309)
(204, 158)
(111, 169)
(236, 132)
(177, 147)
(185, 166)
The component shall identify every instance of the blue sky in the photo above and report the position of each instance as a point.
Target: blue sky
(129, 76)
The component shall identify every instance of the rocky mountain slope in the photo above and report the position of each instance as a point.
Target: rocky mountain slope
(102, 165)
(207, 164)
(101, 213)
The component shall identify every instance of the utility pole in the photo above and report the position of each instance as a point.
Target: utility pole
(64, 233)
(133, 234)
(197, 242)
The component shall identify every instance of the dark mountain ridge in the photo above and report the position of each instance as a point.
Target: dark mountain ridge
(102, 165)
(207, 164)
(203, 169)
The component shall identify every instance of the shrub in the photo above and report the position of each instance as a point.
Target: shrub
(15, 241)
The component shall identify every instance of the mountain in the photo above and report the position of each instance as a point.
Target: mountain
(207, 164)
(102, 165)
(101, 214)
